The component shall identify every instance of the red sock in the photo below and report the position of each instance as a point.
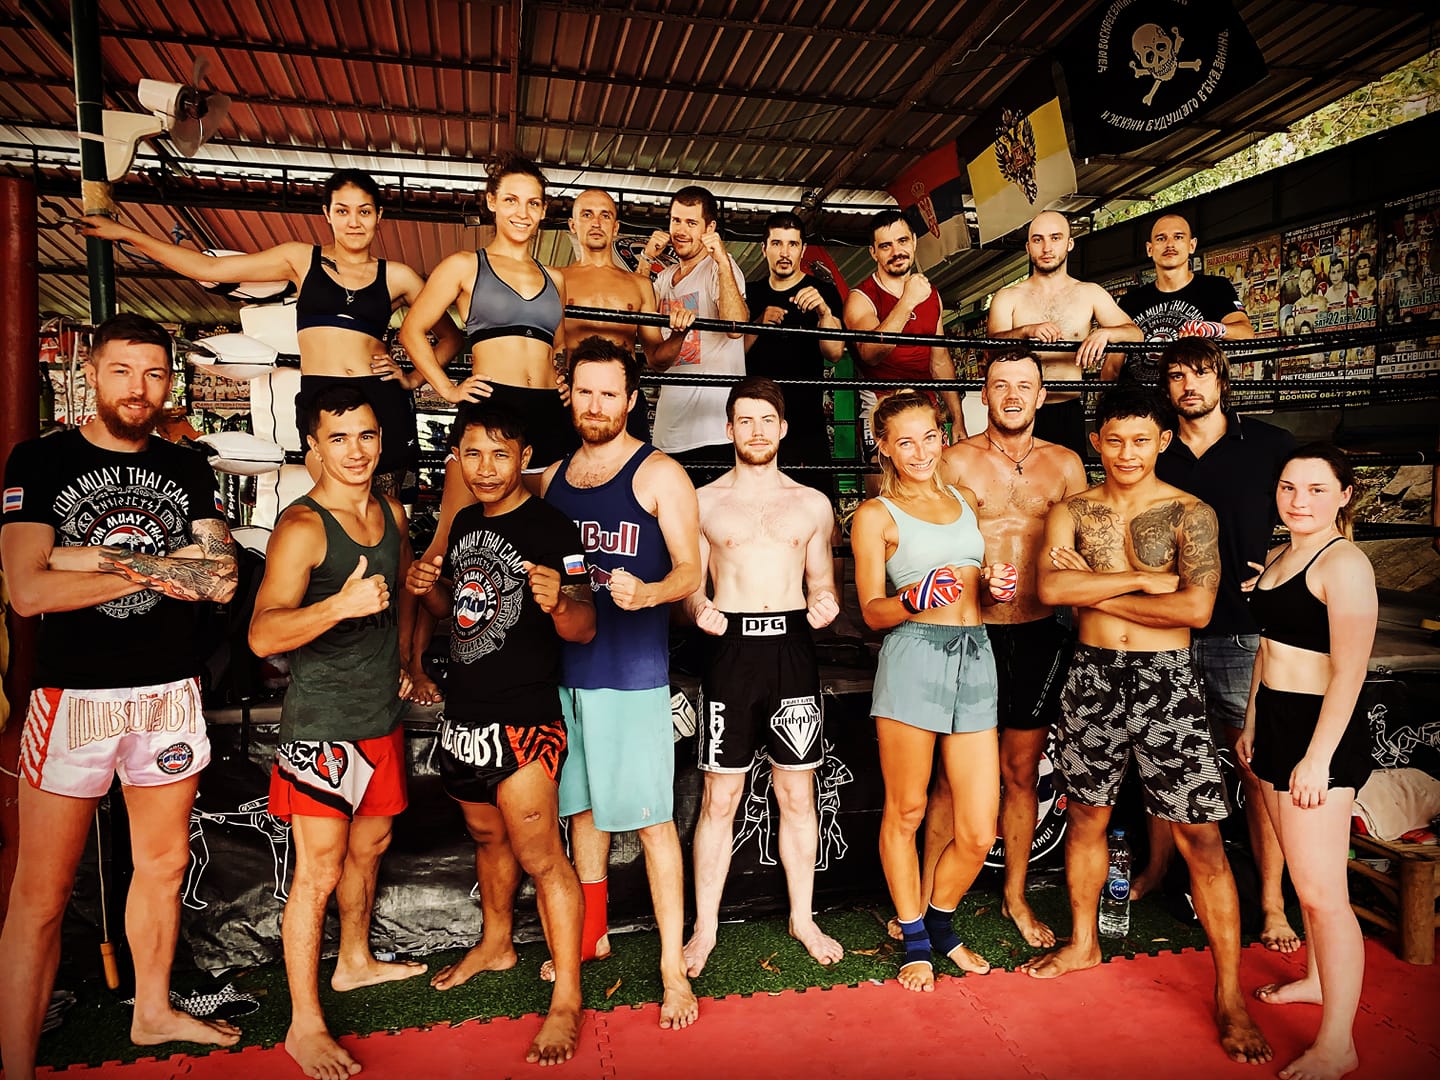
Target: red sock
(597, 922)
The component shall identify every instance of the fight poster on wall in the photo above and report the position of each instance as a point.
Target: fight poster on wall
(1254, 269)
(1327, 286)
(1410, 259)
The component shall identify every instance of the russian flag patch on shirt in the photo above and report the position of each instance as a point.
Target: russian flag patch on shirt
(219, 503)
(574, 564)
(14, 499)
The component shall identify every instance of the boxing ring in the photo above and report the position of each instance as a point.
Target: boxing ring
(240, 857)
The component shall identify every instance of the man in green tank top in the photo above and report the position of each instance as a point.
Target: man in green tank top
(334, 559)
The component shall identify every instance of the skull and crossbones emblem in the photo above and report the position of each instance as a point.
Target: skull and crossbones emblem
(1157, 56)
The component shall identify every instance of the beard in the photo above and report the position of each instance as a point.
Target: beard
(108, 413)
(1046, 271)
(1195, 412)
(1016, 426)
(598, 431)
(757, 457)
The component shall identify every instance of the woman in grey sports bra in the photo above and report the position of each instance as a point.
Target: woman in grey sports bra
(920, 574)
(513, 309)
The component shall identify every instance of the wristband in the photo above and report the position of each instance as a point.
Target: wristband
(1203, 328)
(938, 588)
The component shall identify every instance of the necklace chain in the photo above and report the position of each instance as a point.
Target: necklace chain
(325, 260)
(1016, 461)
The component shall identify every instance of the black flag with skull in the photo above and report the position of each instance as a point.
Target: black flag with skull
(1138, 69)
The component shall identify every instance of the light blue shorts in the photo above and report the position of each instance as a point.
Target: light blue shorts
(621, 763)
(939, 678)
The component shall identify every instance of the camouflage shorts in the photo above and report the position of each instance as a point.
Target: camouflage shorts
(1148, 704)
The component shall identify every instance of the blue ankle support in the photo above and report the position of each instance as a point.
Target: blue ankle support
(940, 925)
(917, 941)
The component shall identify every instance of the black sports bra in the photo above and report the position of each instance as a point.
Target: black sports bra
(323, 301)
(1290, 613)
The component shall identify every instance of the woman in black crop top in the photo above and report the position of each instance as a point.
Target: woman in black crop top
(342, 329)
(1316, 606)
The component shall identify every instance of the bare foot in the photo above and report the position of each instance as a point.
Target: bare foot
(893, 929)
(918, 975)
(1149, 880)
(423, 689)
(823, 949)
(1299, 992)
(1035, 932)
(555, 1043)
(1239, 1037)
(319, 1056)
(967, 959)
(482, 957)
(177, 1026)
(697, 952)
(1278, 936)
(602, 952)
(1062, 961)
(1317, 1064)
(678, 1008)
(376, 971)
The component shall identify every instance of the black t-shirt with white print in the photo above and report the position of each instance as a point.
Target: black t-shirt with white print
(91, 497)
(504, 651)
(1160, 315)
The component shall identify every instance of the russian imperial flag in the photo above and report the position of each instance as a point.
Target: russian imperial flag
(1017, 156)
(931, 193)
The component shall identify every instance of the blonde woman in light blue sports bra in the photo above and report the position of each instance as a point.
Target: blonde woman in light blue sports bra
(920, 573)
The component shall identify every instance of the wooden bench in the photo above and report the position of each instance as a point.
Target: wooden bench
(1411, 884)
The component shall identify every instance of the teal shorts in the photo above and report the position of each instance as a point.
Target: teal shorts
(939, 678)
(621, 763)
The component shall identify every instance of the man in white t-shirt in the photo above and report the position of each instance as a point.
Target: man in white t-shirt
(690, 420)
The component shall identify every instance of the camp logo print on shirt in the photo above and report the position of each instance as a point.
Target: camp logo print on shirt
(489, 591)
(690, 351)
(104, 507)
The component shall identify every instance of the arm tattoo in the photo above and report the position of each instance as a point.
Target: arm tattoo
(1097, 534)
(1199, 562)
(579, 594)
(210, 578)
(1153, 534)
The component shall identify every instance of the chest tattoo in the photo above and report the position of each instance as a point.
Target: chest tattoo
(1153, 534)
(1099, 535)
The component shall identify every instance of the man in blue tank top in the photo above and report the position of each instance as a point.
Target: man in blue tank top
(334, 560)
(639, 524)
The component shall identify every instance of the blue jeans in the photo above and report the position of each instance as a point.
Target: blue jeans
(1224, 664)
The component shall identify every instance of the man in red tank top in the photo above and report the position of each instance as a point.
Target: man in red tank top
(898, 299)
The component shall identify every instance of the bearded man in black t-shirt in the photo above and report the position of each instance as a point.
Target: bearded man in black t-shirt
(110, 535)
(1180, 303)
(514, 584)
(787, 296)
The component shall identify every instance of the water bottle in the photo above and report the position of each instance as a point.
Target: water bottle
(1115, 900)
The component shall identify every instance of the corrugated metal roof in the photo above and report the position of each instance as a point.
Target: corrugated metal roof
(762, 100)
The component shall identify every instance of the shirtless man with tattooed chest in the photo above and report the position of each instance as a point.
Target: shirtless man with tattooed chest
(1140, 562)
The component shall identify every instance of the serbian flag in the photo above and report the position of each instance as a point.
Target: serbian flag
(816, 262)
(1138, 69)
(931, 194)
(1017, 156)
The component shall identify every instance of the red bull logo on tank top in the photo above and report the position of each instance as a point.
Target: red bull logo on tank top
(623, 541)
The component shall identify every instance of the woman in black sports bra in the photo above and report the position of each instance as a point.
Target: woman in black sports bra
(1316, 607)
(346, 296)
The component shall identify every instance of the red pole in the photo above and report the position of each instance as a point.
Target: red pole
(19, 420)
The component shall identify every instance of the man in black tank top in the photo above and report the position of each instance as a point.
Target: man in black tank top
(332, 565)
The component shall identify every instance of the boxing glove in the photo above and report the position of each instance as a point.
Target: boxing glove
(939, 588)
(1006, 593)
(1202, 328)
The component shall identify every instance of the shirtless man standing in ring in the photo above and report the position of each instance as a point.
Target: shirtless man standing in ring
(1017, 477)
(766, 541)
(1050, 305)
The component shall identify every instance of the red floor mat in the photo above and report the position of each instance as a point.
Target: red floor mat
(1122, 1019)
